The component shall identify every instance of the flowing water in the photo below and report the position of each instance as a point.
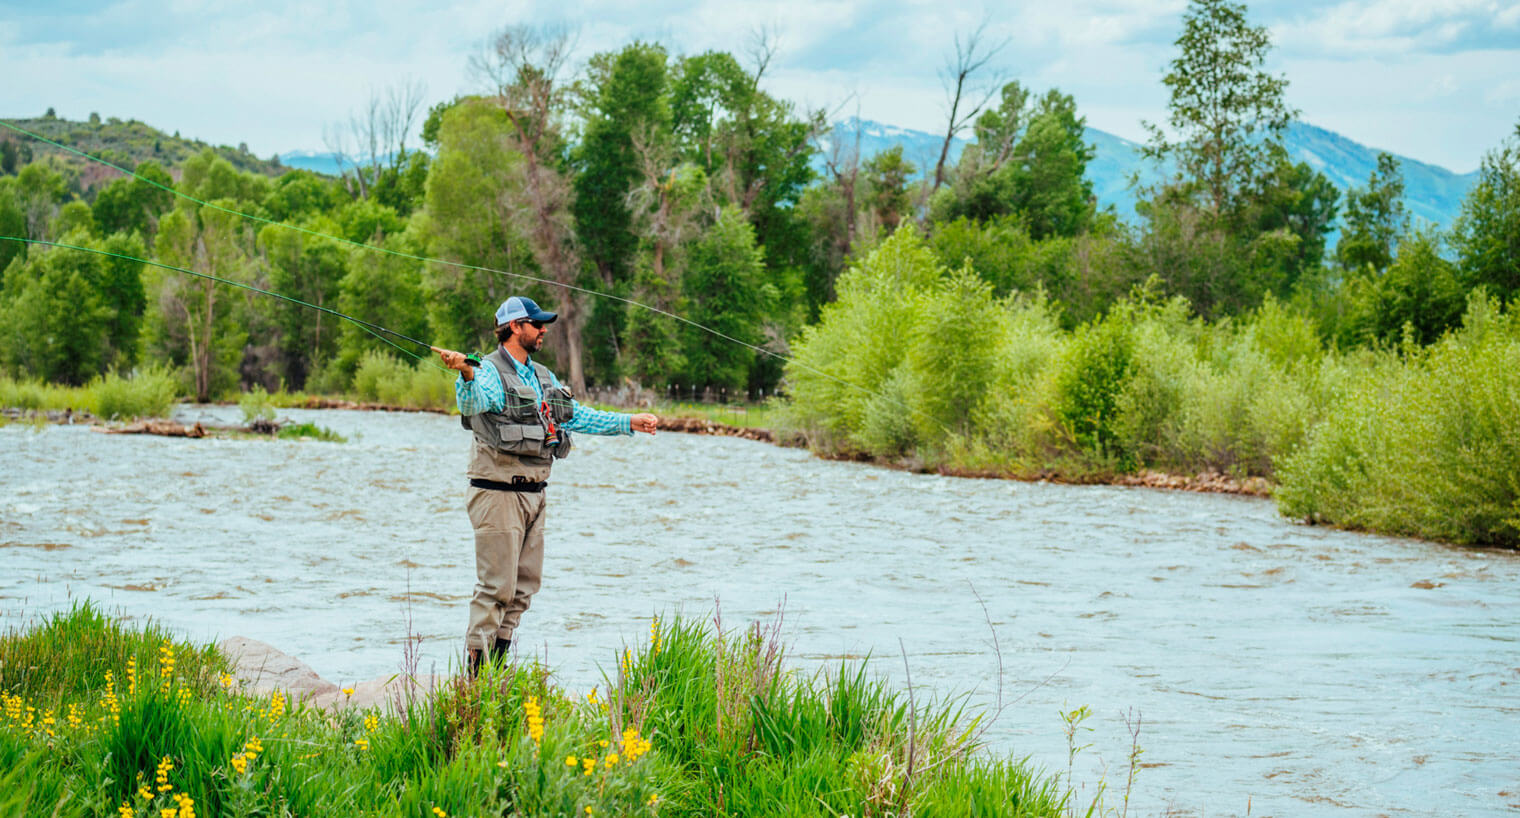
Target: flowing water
(1288, 670)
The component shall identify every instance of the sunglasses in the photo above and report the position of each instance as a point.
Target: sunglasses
(533, 323)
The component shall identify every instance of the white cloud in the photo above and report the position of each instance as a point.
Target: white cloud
(1422, 78)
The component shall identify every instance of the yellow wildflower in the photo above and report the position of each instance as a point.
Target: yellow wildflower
(371, 723)
(612, 758)
(588, 765)
(125, 811)
(348, 691)
(226, 681)
(535, 719)
(186, 805)
(440, 813)
(162, 775)
(571, 761)
(361, 743)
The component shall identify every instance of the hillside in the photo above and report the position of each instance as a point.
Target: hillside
(1431, 193)
(127, 143)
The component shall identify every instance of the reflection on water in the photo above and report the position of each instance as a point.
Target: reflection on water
(1307, 670)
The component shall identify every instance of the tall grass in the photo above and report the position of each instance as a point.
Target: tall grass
(695, 722)
(149, 392)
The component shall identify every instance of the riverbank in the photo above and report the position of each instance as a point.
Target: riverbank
(99, 718)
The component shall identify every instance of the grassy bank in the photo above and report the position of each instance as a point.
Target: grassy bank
(148, 393)
(925, 363)
(102, 720)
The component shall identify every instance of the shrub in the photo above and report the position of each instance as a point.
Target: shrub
(1093, 371)
(381, 378)
(1427, 445)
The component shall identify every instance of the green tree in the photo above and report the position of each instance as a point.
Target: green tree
(1419, 297)
(301, 193)
(886, 181)
(12, 223)
(55, 324)
(387, 290)
(1487, 235)
(626, 114)
(191, 323)
(130, 204)
(726, 289)
(124, 298)
(1227, 111)
(1302, 202)
(308, 268)
(1375, 218)
(1030, 159)
(469, 218)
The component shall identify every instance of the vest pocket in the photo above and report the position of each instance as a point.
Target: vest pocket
(519, 438)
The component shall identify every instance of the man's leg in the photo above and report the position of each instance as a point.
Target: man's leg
(499, 528)
(530, 563)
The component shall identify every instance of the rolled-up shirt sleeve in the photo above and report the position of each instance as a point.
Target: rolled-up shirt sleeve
(483, 393)
(595, 421)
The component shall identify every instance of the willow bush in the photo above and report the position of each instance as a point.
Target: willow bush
(925, 364)
(1427, 445)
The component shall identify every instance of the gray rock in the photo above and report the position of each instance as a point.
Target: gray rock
(261, 669)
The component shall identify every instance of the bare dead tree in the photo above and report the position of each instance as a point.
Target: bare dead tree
(841, 161)
(522, 66)
(336, 138)
(400, 112)
(965, 94)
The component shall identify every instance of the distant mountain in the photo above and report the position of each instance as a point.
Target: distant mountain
(317, 161)
(1431, 193)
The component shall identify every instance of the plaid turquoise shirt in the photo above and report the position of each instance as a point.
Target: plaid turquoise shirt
(486, 394)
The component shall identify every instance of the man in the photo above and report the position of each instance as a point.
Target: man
(522, 419)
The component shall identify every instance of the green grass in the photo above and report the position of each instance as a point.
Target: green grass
(99, 719)
(148, 393)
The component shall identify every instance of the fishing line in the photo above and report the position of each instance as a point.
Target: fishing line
(464, 266)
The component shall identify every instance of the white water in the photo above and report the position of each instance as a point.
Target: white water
(1290, 668)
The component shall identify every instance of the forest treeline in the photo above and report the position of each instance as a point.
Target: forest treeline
(979, 311)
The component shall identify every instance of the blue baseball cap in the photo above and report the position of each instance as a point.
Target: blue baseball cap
(519, 307)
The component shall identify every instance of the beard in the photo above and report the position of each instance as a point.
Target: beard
(534, 345)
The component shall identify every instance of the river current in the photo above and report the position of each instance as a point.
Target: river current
(1277, 668)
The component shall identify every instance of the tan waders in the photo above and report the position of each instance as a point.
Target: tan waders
(509, 561)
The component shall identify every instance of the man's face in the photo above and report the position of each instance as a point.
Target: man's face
(530, 334)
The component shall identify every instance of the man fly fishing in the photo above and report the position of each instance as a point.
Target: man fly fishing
(522, 419)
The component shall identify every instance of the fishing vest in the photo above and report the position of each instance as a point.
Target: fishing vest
(516, 442)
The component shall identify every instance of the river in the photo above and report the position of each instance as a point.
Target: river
(1277, 668)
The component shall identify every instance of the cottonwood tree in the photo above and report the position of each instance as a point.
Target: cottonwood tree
(1375, 219)
(623, 100)
(191, 323)
(523, 66)
(1226, 110)
(1488, 233)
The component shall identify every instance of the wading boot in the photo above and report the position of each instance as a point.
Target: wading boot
(472, 661)
(500, 651)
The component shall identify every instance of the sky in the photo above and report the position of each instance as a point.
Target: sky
(1434, 80)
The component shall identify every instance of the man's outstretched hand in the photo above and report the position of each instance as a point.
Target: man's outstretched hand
(456, 361)
(645, 422)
